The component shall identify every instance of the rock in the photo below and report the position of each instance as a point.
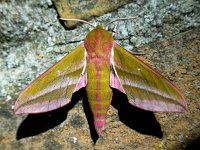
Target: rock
(85, 9)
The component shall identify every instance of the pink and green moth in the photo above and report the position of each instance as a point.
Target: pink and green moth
(100, 64)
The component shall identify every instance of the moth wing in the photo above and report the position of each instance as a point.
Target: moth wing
(144, 87)
(54, 88)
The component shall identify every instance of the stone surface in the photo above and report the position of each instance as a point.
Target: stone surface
(32, 39)
(85, 9)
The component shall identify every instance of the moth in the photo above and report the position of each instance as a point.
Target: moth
(100, 64)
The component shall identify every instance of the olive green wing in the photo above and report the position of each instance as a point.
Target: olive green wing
(144, 87)
(54, 88)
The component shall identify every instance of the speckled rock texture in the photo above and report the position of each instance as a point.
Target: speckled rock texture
(85, 9)
(32, 39)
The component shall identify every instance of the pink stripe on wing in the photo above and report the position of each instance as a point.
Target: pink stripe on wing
(115, 82)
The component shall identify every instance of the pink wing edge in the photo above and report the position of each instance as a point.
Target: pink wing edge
(53, 104)
(153, 105)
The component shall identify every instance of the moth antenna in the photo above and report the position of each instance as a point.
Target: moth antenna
(79, 20)
(119, 19)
